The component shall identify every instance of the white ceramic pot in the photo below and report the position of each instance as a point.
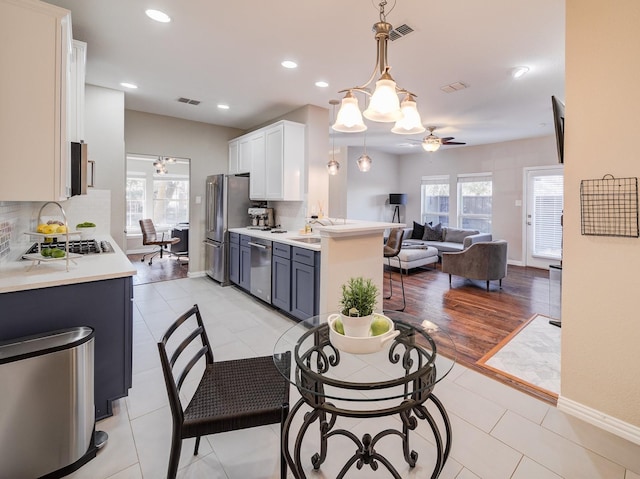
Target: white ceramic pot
(354, 326)
(360, 345)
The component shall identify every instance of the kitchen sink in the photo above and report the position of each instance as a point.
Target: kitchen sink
(311, 240)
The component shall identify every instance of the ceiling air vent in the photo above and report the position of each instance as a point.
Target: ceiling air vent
(188, 101)
(399, 32)
(456, 86)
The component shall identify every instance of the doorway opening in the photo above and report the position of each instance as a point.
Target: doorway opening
(157, 187)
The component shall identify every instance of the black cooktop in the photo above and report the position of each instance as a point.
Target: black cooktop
(75, 246)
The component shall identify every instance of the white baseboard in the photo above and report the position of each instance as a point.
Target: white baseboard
(599, 419)
(196, 274)
(515, 262)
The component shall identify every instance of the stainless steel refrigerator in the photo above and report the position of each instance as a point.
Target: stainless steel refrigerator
(227, 203)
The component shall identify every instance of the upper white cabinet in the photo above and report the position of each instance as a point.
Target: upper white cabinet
(258, 166)
(275, 158)
(285, 161)
(245, 153)
(36, 50)
(233, 157)
(76, 92)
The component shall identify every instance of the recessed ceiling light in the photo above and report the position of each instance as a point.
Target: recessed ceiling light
(289, 64)
(519, 72)
(129, 85)
(158, 16)
(222, 106)
(322, 84)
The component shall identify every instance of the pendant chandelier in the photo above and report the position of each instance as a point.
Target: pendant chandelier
(384, 104)
(161, 165)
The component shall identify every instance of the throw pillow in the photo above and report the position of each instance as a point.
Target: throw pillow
(418, 231)
(433, 233)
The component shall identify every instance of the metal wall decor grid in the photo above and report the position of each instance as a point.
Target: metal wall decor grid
(609, 207)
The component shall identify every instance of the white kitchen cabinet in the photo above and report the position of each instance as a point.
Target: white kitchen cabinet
(284, 161)
(233, 157)
(257, 189)
(244, 154)
(76, 92)
(275, 158)
(35, 46)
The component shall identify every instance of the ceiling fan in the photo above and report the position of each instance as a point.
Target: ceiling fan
(432, 143)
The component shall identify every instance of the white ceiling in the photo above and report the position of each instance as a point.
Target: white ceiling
(230, 52)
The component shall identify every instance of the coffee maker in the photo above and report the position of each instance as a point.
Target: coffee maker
(262, 218)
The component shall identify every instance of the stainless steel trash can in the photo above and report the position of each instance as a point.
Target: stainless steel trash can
(555, 294)
(47, 415)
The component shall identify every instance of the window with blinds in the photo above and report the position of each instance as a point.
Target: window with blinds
(548, 203)
(435, 200)
(475, 196)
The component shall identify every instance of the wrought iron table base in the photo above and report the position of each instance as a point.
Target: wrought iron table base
(326, 413)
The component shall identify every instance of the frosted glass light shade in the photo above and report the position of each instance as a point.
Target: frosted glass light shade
(431, 143)
(364, 163)
(384, 105)
(349, 119)
(410, 123)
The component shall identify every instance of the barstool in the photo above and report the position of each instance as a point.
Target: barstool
(391, 250)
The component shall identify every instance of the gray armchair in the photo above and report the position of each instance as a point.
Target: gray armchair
(485, 261)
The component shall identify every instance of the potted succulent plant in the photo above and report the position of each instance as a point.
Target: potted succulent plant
(358, 300)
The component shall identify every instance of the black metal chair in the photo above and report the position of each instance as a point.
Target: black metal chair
(391, 250)
(231, 395)
(151, 238)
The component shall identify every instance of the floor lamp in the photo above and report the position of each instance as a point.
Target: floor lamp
(397, 199)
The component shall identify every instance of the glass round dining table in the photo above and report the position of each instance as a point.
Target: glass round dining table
(397, 378)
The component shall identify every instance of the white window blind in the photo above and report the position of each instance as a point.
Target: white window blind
(548, 202)
(475, 197)
(435, 199)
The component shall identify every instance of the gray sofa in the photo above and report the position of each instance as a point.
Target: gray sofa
(453, 240)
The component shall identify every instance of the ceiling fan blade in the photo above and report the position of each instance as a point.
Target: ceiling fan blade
(453, 143)
(446, 138)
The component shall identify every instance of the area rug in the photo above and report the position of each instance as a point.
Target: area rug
(531, 354)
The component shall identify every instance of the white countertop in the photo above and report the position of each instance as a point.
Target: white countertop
(350, 228)
(18, 276)
(285, 238)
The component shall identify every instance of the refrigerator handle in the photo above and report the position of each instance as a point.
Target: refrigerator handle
(211, 206)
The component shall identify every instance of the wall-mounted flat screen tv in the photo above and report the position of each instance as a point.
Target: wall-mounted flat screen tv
(558, 122)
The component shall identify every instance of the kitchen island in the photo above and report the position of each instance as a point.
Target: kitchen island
(344, 249)
(97, 291)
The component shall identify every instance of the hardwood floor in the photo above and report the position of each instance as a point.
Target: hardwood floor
(169, 267)
(477, 320)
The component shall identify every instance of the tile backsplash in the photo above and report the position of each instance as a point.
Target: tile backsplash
(18, 217)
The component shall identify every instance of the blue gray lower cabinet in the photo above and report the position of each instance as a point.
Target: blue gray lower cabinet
(281, 276)
(106, 306)
(295, 285)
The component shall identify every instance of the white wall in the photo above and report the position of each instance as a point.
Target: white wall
(367, 194)
(104, 135)
(505, 160)
(600, 327)
(205, 145)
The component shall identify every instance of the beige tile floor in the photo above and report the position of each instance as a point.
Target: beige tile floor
(498, 432)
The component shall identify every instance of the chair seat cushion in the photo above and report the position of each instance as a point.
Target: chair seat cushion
(240, 394)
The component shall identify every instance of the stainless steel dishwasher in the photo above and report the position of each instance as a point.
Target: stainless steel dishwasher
(261, 268)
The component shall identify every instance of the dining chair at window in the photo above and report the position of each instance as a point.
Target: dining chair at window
(391, 250)
(151, 238)
(230, 395)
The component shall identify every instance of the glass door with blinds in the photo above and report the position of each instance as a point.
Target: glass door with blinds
(544, 205)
